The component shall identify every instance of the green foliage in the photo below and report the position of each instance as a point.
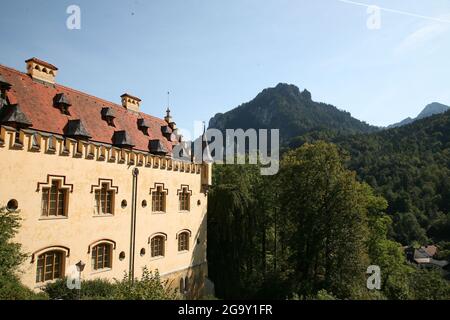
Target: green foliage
(410, 167)
(10, 260)
(327, 210)
(148, 287)
(230, 249)
(324, 295)
(444, 251)
(90, 290)
(429, 285)
(308, 233)
(10, 255)
(389, 256)
(12, 289)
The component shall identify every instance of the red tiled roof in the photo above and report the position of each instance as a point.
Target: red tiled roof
(430, 250)
(36, 102)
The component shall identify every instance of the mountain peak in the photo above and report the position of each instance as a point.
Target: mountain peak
(293, 112)
(432, 109)
(284, 89)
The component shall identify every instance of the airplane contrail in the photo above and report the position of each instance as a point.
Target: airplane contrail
(405, 13)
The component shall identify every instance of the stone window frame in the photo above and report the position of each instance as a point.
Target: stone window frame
(36, 256)
(178, 237)
(161, 197)
(114, 190)
(159, 235)
(47, 187)
(184, 198)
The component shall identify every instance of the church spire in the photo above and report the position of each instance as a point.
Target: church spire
(168, 117)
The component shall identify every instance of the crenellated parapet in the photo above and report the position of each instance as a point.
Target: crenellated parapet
(29, 140)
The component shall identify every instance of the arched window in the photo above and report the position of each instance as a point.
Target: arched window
(54, 200)
(159, 200)
(183, 241)
(157, 246)
(50, 266)
(102, 256)
(181, 285)
(184, 198)
(104, 199)
(186, 285)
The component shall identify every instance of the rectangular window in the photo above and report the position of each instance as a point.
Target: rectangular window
(183, 241)
(54, 200)
(157, 246)
(158, 200)
(101, 256)
(104, 199)
(184, 199)
(49, 266)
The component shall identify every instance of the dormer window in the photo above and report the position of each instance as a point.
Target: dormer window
(156, 147)
(109, 115)
(61, 101)
(122, 139)
(165, 130)
(76, 129)
(4, 87)
(13, 116)
(143, 125)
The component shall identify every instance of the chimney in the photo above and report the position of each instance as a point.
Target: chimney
(41, 70)
(131, 103)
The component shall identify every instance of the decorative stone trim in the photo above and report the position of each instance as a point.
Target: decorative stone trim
(50, 248)
(50, 177)
(182, 231)
(109, 241)
(182, 187)
(164, 235)
(156, 185)
(102, 180)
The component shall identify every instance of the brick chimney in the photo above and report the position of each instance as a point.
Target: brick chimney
(130, 102)
(41, 70)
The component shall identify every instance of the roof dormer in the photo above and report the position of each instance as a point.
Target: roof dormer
(13, 116)
(62, 102)
(77, 130)
(143, 125)
(108, 115)
(157, 147)
(122, 139)
(4, 88)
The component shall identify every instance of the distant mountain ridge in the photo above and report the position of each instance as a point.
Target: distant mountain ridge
(292, 111)
(428, 111)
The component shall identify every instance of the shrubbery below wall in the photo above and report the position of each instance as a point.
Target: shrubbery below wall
(148, 287)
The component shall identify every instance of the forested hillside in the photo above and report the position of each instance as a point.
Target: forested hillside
(410, 167)
(307, 233)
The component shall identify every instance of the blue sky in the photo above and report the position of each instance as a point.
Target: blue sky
(213, 55)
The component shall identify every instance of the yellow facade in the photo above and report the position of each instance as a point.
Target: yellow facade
(81, 166)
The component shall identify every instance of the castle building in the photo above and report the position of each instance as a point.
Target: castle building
(96, 184)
